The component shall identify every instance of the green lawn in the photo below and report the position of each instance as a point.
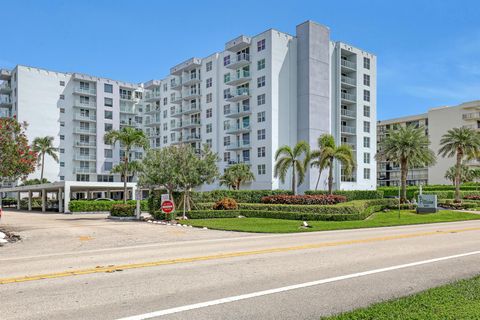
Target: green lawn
(380, 219)
(460, 300)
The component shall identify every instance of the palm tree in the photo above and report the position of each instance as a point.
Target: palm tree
(464, 143)
(129, 138)
(133, 168)
(44, 146)
(466, 174)
(287, 158)
(227, 180)
(326, 156)
(408, 146)
(237, 174)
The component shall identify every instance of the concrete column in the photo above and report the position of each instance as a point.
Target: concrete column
(1, 200)
(29, 200)
(60, 200)
(66, 196)
(18, 200)
(44, 200)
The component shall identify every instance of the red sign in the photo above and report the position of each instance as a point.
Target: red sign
(168, 206)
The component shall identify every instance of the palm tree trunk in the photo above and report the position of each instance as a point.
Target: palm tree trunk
(403, 182)
(457, 175)
(318, 180)
(125, 170)
(294, 181)
(43, 165)
(330, 179)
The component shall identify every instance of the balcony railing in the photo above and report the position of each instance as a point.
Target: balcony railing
(84, 157)
(190, 123)
(83, 90)
(239, 128)
(348, 129)
(238, 61)
(239, 111)
(348, 113)
(348, 97)
(471, 116)
(348, 80)
(84, 170)
(190, 79)
(239, 145)
(152, 95)
(85, 130)
(349, 64)
(124, 96)
(85, 104)
(238, 78)
(90, 143)
(82, 116)
(238, 94)
(130, 110)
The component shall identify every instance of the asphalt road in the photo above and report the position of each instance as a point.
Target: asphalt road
(167, 272)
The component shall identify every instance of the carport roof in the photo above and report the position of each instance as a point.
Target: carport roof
(73, 185)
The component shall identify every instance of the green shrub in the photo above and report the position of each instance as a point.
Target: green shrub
(98, 206)
(411, 190)
(352, 194)
(9, 202)
(122, 210)
(248, 196)
(319, 199)
(159, 215)
(449, 194)
(226, 204)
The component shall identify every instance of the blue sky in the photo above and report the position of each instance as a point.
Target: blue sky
(428, 51)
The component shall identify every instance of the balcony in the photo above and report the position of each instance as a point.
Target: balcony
(346, 113)
(244, 161)
(5, 74)
(84, 157)
(149, 96)
(129, 123)
(128, 110)
(190, 123)
(191, 94)
(239, 128)
(238, 95)
(84, 117)
(190, 79)
(238, 43)
(239, 145)
(351, 145)
(85, 144)
(83, 90)
(176, 85)
(177, 99)
(84, 170)
(126, 97)
(85, 104)
(348, 97)
(90, 131)
(5, 87)
(348, 81)
(239, 61)
(348, 130)
(471, 116)
(192, 138)
(5, 102)
(239, 111)
(239, 78)
(188, 109)
(348, 64)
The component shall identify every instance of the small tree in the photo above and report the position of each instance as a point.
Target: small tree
(463, 143)
(133, 168)
(297, 159)
(237, 174)
(44, 146)
(158, 170)
(17, 159)
(466, 174)
(128, 138)
(34, 181)
(327, 154)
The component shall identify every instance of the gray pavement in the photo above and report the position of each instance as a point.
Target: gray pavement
(146, 289)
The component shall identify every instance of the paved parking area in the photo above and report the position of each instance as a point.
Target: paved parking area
(45, 233)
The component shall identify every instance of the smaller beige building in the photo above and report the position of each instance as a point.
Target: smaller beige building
(437, 121)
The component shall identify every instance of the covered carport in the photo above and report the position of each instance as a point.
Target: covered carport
(62, 192)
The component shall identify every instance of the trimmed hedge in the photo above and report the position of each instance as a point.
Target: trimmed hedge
(306, 199)
(8, 202)
(97, 206)
(351, 194)
(411, 190)
(449, 194)
(159, 215)
(123, 210)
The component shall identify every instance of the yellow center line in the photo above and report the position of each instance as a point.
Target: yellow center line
(113, 268)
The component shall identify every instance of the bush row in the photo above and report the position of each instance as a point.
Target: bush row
(122, 210)
(95, 206)
(411, 190)
(449, 194)
(320, 199)
(352, 194)
(8, 202)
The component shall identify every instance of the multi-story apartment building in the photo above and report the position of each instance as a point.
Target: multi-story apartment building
(260, 93)
(437, 121)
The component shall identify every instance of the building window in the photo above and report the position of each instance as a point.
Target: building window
(62, 178)
(62, 137)
(108, 102)
(261, 135)
(165, 126)
(366, 80)
(165, 87)
(226, 60)
(261, 116)
(261, 64)
(209, 112)
(366, 95)
(226, 157)
(261, 82)
(209, 82)
(226, 109)
(108, 88)
(61, 150)
(366, 173)
(108, 127)
(62, 124)
(107, 165)
(62, 97)
(261, 152)
(209, 128)
(62, 83)
(226, 125)
(261, 99)
(165, 139)
(366, 142)
(165, 101)
(226, 77)
(366, 126)
(62, 164)
(366, 157)
(209, 97)
(262, 169)
(108, 114)
(226, 141)
(366, 111)
(62, 110)
(83, 177)
(366, 63)
(108, 153)
(261, 45)
(209, 66)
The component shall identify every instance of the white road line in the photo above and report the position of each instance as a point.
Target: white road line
(289, 288)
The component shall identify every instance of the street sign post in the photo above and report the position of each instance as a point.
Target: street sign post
(168, 207)
(138, 197)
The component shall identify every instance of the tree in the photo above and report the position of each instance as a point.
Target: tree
(44, 146)
(297, 159)
(133, 168)
(327, 154)
(237, 174)
(464, 143)
(129, 138)
(17, 159)
(466, 174)
(158, 170)
(408, 146)
(34, 181)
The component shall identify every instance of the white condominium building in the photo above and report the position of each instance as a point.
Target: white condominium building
(437, 121)
(245, 102)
